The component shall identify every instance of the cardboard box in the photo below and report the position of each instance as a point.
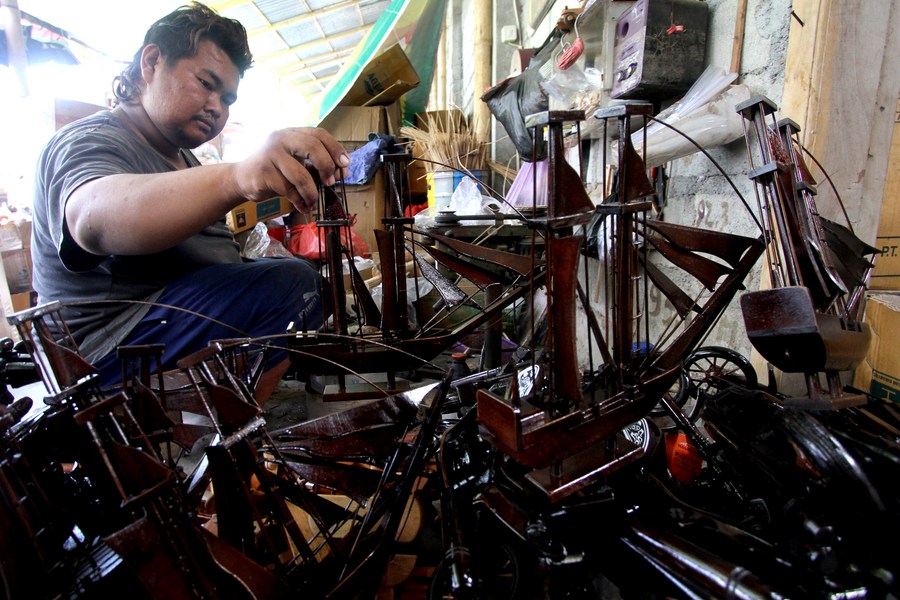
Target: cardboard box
(367, 203)
(17, 266)
(15, 235)
(383, 80)
(6, 308)
(879, 374)
(886, 275)
(67, 111)
(351, 125)
(23, 300)
(245, 216)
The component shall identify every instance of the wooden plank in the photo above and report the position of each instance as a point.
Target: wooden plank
(842, 77)
(801, 66)
(6, 308)
(438, 98)
(737, 46)
(886, 275)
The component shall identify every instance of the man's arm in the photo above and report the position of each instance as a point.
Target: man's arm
(141, 214)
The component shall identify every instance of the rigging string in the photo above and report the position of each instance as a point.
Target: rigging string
(261, 341)
(718, 168)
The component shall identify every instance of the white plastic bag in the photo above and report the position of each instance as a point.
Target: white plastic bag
(712, 124)
(256, 241)
(467, 199)
(415, 289)
(566, 85)
(425, 218)
(359, 262)
(706, 114)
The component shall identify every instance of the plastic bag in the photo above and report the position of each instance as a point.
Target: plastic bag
(276, 248)
(514, 98)
(713, 81)
(712, 124)
(255, 242)
(705, 113)
(416, 289)
(365, 161)
(359, 262)
(307, 240)
(467, 199)
(524, 189)
(425, 218)
(566, 85)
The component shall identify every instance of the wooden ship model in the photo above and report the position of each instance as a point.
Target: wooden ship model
(810, 321)
(381, 339)
(560, 424)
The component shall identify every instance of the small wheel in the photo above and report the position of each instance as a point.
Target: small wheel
(712, 369)
(706, 372)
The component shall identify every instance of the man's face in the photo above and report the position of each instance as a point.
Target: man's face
(189, 100)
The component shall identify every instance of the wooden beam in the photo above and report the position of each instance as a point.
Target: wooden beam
(484, 21)
(737, 46)
(315, 63)
(440, 70)
(229, 4)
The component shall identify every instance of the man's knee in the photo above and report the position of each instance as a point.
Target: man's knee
(303, 291)
(292, 276)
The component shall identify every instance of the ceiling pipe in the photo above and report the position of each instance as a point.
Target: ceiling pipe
(440, 79)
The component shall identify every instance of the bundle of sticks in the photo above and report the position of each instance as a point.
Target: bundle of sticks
(445, 143)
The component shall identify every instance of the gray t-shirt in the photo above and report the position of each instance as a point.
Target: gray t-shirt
(94, 147)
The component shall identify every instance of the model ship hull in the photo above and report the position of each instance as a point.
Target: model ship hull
(536, 441)
(785, 328)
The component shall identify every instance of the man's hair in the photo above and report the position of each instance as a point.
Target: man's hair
(178, 34)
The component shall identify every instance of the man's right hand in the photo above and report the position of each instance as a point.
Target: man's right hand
(282, 166)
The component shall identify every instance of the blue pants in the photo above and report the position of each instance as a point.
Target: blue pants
(251, 299)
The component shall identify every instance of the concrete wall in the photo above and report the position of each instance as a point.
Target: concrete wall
(698, 194)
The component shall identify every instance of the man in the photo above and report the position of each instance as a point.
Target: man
(129, 231)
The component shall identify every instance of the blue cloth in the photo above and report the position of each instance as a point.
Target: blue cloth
(250, 299)
(366, 160)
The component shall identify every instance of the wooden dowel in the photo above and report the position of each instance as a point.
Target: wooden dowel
(737, 47)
